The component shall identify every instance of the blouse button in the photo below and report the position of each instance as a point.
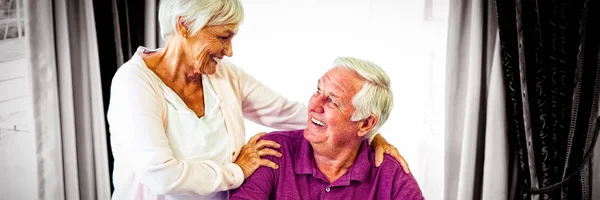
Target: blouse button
(327, 189)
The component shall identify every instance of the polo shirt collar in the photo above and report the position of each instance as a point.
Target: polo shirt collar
(359, 171)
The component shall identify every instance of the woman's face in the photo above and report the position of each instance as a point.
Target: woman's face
(209, 46)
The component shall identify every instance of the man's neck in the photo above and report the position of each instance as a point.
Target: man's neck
(334, 162)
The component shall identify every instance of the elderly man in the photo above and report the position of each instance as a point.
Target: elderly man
(331, 159)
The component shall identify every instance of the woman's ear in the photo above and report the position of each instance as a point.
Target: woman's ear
(366, 125)
(181, 27)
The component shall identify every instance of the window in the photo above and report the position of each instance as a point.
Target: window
(12, 30)
(289, 44)
(18, 157)
(14, 110)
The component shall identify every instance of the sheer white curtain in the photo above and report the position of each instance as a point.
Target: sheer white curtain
(289, 44)
(68, 110)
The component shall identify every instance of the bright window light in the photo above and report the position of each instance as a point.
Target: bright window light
(289, 44)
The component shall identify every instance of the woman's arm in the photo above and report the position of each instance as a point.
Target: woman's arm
(264, 106)
(138, 136)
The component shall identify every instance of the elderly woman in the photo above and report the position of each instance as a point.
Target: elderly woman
(176, 114)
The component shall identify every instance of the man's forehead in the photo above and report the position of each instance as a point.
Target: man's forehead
(343, 80)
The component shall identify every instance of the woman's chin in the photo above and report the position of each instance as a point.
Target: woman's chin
(210, 70)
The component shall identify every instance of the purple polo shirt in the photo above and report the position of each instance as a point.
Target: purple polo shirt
(299, 178)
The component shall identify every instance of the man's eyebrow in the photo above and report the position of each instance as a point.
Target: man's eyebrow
(330, 94)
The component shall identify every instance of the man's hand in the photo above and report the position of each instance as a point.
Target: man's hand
(381, 146)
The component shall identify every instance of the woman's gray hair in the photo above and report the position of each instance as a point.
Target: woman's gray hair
(375, 97)
(197, 13)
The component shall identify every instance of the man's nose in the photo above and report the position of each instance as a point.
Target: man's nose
(316, 103)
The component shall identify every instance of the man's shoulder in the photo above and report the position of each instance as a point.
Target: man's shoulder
(404, 183)
(390, 168)
(289, 141)
(390, 163)
(284, 137)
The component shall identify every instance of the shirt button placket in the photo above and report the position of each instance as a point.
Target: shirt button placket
(327, 194)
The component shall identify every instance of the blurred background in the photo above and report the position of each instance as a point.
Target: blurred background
(490, 97)
(286, 44)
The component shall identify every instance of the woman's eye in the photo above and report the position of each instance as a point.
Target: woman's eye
(223, 38)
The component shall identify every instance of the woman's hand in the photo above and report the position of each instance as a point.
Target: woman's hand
(381, 146)
(249, 159)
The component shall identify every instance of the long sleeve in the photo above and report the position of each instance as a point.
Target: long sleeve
(262, 105)
(139, 139)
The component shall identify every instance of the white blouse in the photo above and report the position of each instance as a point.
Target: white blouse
(162, 150)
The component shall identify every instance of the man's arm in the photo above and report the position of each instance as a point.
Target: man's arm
(258, 186)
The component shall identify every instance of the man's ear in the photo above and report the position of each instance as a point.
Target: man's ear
(366, 125)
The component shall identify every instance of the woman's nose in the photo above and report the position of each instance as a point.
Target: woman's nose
(228, 50)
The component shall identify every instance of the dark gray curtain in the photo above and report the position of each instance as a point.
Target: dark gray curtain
(550, 62)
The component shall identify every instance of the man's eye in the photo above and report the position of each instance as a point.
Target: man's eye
(223, 38)
(333, 105)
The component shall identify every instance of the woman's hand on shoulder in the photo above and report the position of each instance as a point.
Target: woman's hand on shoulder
(250, 155)
(380, 146)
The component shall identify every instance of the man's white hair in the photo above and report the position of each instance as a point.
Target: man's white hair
(375, 97)
(197, 13)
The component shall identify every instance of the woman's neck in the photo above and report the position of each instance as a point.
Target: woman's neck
(173, 65)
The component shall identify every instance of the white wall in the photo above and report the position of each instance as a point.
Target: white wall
(289, 44)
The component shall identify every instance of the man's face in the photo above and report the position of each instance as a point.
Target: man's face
(330, 108)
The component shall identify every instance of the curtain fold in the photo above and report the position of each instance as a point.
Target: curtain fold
(550, 63)
(68, 109)
(476, 142)
(46, 111)
(152, 37)
(595, 173)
